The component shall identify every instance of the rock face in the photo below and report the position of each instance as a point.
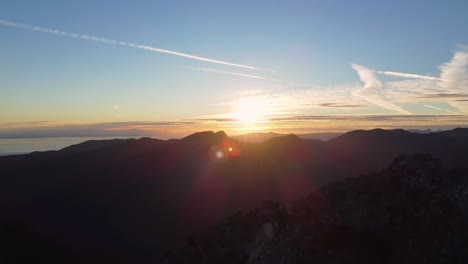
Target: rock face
(415, 211)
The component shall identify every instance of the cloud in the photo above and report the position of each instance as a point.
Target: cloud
(25, 123)
(407, 75)
(285, 124)
(111, 129)
(238, 74)
(217, 119)
(371, 91)
(454, 74)
(122, 43)
(373, 118)
(440, 109)
(340, 105)
(450, 87)
(449, 96)
(306, 124)
(283, 100)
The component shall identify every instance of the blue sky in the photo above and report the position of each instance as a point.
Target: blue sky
(310, 45)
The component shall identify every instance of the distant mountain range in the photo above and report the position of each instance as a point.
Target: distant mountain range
(128, 200)
(260, 137)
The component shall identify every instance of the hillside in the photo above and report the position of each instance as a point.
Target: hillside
(132, 199)
(415, 211)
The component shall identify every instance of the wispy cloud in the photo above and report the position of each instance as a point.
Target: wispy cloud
(440, 109)
(407, 75)
(111, 129)
(371, 91)
(121, 43)
(447, 96)
(283, 100)
(454, 74)
(450, 87)
(340, 105)
(238, 74)
(182, 128)
(24, 124)
(306, 124)
(374, 118)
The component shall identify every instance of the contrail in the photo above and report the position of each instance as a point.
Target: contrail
(408, 75)
(238, 74)
(127, 44)
(440, 109)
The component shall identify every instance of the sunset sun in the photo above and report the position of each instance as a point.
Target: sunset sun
(250, 110)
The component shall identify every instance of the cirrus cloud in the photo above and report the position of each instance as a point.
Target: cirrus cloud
(451, 87)
(371, 92)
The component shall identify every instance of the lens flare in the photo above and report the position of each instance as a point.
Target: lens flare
(219, 154)
(231, 148)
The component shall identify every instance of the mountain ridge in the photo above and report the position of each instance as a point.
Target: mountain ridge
(114, 193)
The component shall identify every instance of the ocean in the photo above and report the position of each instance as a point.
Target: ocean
(13, 146)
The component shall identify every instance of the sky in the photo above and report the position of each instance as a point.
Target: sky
(170, 68)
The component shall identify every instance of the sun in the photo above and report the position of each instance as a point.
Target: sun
(250, 110)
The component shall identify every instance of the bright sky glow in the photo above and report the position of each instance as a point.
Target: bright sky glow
(250, 110)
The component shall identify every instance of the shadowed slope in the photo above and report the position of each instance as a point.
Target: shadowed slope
(133, 198)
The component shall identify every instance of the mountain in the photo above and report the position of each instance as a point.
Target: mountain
(415, 211)
(125, 201)
(367, 151)
(260, 137)
(257, 137)
(424, 131)
(320, 136)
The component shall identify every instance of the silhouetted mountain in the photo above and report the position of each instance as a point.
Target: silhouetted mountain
(366, 151)
(415, 211)
(457, 133)
(321, 136)
(257, 137)
(121, 200)
(424, 131)
(260, 137)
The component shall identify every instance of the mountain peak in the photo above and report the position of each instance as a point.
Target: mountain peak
(221, 134)
(206, 136)
(286, 139)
